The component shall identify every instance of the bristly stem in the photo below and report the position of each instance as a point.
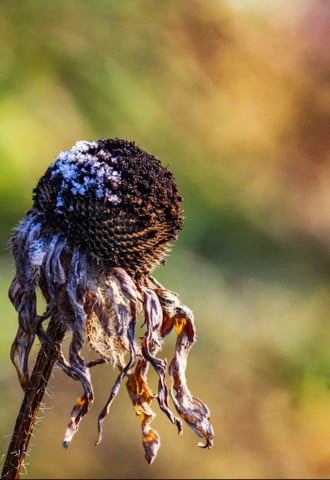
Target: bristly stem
(31, 403)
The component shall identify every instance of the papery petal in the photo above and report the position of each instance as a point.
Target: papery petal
(19, 354)
(190, 408)
(195, 413)
(142, 397)
(78, 412)
(150, 344)
(126, 319)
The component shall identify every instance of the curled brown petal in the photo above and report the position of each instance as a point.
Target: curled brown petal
(116, 386)
(150, 344)
(142, 397)
(190, 408)
(195, 413)
(78, 412)
(19, 354)
(121, 293)
(74, 300)
(25, 304)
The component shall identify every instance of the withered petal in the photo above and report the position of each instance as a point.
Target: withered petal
(142, 397)
(191, 409)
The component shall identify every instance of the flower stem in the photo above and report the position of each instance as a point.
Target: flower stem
(31, 403)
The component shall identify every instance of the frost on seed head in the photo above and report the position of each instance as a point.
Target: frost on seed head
(113, 200)
(81, 172)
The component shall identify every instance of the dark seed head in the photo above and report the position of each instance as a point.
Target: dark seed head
(114, 200)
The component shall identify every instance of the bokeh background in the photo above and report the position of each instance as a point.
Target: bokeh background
(233, 96)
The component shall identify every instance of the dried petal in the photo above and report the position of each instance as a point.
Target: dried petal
(142, 397)
(151, 343)
(78, 412)
(125, 321)
(190, 408)
(19, 355)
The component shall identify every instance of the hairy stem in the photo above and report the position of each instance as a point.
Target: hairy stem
(31, 403)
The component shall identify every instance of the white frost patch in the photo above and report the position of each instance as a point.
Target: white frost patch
(37, 252)
(81, 172)
(83, 146)
(113, 198)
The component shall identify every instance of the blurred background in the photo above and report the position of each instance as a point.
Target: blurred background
(232, 96)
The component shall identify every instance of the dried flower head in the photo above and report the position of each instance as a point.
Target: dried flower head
(103, 217)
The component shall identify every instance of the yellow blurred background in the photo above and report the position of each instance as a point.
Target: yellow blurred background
(232, 96)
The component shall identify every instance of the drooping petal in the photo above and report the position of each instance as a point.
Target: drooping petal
(24, 338)
(117, 384)
(142, 397)
(151, 343)
(78, 412)
(195, 413)
(19, 354)
(76, 290)
(122, 297)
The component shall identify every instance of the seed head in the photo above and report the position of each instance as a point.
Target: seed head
(115, 200)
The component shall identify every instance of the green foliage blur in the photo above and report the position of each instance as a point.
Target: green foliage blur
(233, 96)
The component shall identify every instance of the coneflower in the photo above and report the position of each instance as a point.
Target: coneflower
(104, 215)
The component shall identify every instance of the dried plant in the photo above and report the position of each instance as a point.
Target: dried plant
(103, 217)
